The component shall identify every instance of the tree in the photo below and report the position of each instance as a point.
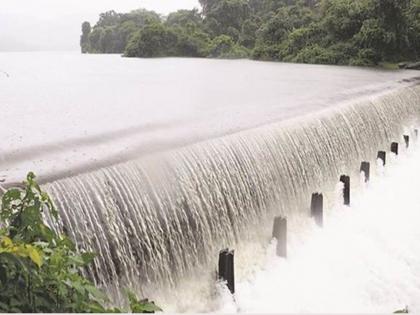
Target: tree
(248, 33)
(413, 18)
(363, 32)
(141, 17)
(109, 18)
(108, 40)
(184, 18)
(155, 40)
(373, 36)
(84, 39)
(113, 31)
(208, 5)
(344, 18)
(229, 14)
(95, 40)
(192, 42)
(224, 46)
(393, 20)
(275, 30)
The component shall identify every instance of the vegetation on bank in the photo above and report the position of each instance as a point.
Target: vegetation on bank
(40, 270)
(343, 32)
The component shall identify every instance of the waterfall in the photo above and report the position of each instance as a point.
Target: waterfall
(164, 217)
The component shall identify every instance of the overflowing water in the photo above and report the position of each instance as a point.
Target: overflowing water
(158, 223)
(66, 113)
(365, 259)
(156, 165)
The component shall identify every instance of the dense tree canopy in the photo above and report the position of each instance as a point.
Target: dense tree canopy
(363, 32)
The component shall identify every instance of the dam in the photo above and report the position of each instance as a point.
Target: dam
(187, 157)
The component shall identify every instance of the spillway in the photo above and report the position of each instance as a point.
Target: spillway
(157, 164)
(158, 222)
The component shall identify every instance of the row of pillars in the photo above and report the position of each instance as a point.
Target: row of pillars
(226, 257)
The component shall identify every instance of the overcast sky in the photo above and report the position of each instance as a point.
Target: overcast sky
(56, 24)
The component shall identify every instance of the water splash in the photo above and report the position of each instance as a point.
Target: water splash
(364, 260)
(160, 221)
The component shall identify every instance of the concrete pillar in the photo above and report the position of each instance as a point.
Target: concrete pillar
(226, 268)
(280, 234)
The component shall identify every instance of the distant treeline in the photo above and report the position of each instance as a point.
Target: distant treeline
(347, 32)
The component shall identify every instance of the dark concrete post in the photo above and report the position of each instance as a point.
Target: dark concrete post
(346, 190)
(365, 168)
(407, 140)
(226, 268)
(317, 208)
(280, 234)
(382, 156)
(394, 147)
(416, 132)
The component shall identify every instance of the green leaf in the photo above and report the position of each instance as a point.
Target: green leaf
(143, 306)
(40, 270)
(95, 308)
(78, 287)
(64, 241)
(6, 241)
(56, 259)
(88, 258)
(96, 293)
(12, 194)
(11, 198)
(35, 256)
(76, 260)
(4, 307)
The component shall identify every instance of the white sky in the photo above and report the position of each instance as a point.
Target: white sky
(56, 24)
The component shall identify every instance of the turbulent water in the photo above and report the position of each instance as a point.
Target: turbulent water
(158, 223)
(364, 260)
(157, 164)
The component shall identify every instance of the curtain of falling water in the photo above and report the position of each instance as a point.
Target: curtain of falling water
(156, 220)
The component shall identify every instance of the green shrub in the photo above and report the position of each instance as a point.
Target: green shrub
(224, 46)
(39, 268)
(316, 54)
(192, 42)
(154, 40)
(263, 52)
(365, 57)
(309, 31)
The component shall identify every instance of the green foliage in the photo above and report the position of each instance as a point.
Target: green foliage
(316, 54)
(184, 18)
(208, 5)
(192, 42)
(154, 40)
(84, 39)
(345, 32)
(113, 31)
(229, 14)
(143, 306)
(344, 18)
(224, 46)
(40, 269)
(248, 33)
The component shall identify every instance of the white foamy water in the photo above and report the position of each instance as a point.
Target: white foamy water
(158, 223)
(365, 260)
(210, 152)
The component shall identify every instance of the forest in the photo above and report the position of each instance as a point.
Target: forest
(341, 32)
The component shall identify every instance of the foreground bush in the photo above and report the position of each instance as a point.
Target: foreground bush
(40, 269)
